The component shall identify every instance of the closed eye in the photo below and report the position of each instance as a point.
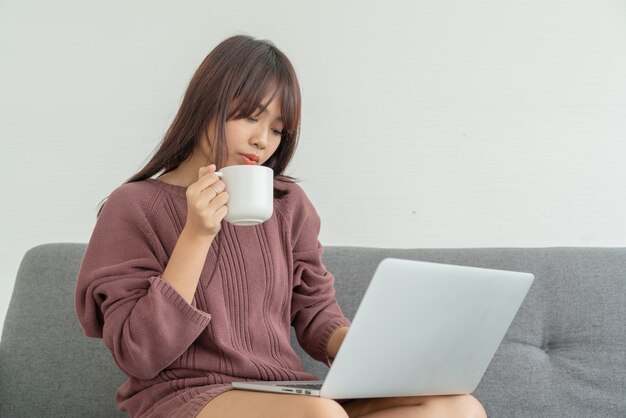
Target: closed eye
(278, 132)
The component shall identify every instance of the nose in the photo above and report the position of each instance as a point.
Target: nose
(260, 138)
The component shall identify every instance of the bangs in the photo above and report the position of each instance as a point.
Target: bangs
(272, 78)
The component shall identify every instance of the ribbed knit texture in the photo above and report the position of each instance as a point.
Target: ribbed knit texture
(256, 283)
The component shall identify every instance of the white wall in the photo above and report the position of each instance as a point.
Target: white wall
(425, 124)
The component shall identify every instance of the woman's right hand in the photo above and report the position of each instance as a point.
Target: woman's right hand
(206, 204)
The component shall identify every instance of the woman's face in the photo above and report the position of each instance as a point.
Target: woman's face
(252, 140)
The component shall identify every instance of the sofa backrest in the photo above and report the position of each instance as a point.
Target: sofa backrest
(48, 368)
(564, 354)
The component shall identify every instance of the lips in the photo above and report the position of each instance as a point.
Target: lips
(250, 159)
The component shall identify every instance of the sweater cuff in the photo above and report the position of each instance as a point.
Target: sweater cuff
(333, 325)
(198, 317)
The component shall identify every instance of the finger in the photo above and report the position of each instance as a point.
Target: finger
(207, 180)
(218, 187)
(202, 171)
(212, 214)
(221, 213)
(210, 194)
(219, 201)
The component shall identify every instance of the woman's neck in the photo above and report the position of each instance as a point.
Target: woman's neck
(186, 173)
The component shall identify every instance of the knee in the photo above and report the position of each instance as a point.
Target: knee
(324, 408)
(461, 406)
(471, 407)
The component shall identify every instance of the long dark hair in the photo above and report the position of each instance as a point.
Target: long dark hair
(230, 84)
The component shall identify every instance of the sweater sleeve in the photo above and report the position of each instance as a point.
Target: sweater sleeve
(315, 313)
(121, 298)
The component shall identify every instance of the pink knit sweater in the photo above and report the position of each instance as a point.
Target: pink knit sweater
(256, 283)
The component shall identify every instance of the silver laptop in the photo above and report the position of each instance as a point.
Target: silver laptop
(421, 329)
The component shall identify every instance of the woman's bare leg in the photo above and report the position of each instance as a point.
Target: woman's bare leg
(241, 403)
(461, 406)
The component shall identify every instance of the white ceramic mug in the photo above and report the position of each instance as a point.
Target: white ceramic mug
(251, 191)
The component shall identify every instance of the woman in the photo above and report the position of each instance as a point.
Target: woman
(188, 303)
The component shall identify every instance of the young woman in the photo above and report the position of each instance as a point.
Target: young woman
(188, 303)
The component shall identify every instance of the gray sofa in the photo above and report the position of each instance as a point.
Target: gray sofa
(563, 356)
